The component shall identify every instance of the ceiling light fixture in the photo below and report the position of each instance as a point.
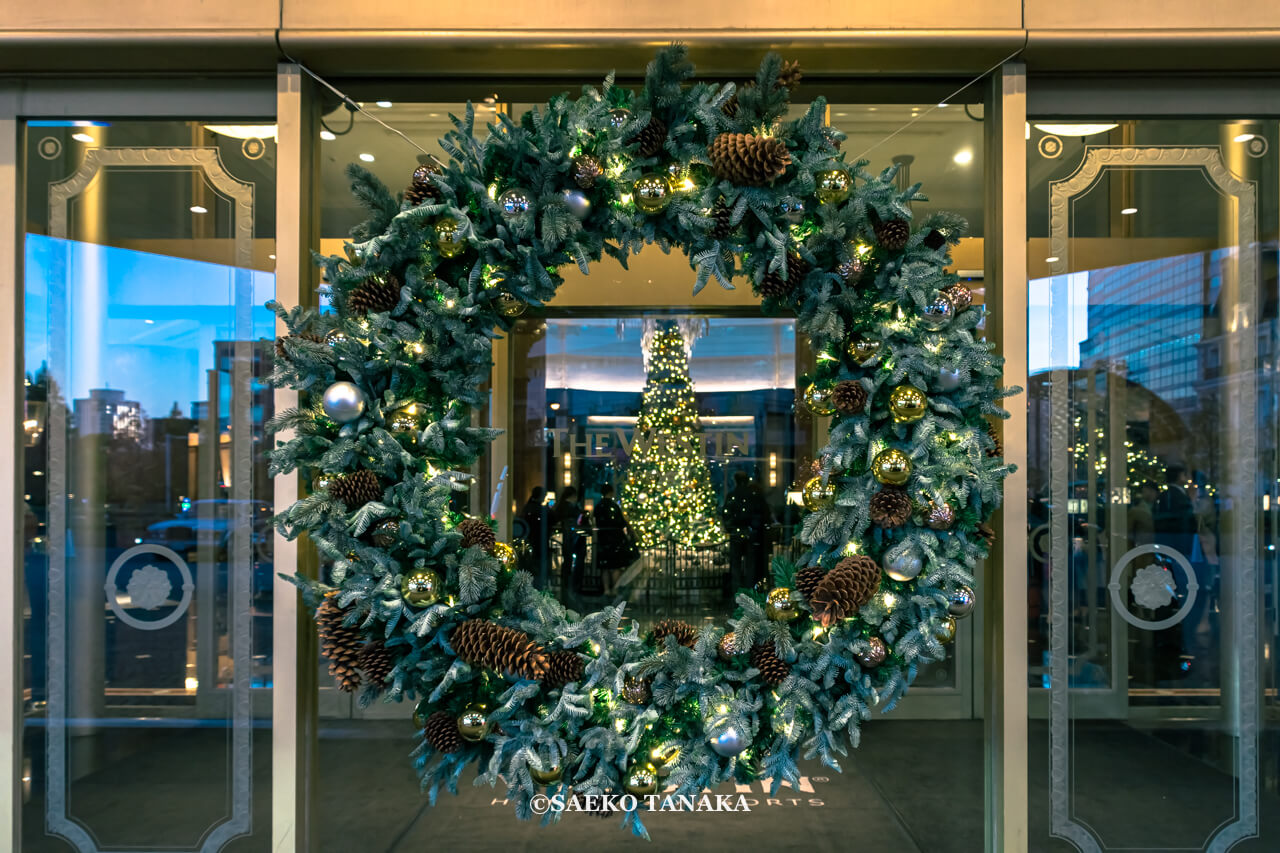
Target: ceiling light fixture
(964, 157)
(84, 137)
(327, 135)
(1052, 260)
(1244, 137)
(195, 208)
(1075, 129)
(368, 158)
(1128, 211)
(943, 105)
(244, 131)
(386, 105)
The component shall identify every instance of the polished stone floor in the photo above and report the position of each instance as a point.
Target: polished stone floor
(913, 787)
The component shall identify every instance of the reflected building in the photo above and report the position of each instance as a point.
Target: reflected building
(106, 412)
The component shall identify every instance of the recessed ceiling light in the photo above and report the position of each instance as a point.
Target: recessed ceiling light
(841, 115)
(149, 322)
(195, 208)
(1052, 260)
(943, 105)
(244, 131)
(1244, 137)
(555, 406)
(272, 257)
(368, 158)
(327, 135)
(386, 105)
(1076, 129)
(1128, 211)
(964, 157)
(84, 137)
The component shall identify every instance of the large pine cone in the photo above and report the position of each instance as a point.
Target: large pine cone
(342, 644)
(442, 732)
(893, 235)
(651, 137)
(890, 507)
(790, 75)
(723, 216)
(685, 634)
(772, 286)
(376, 663)
(377, 294)
(748, 160)
(988, 534)
(731, 106)
(773, 669)
(847, 587)
(422, 189)
(849, 397)
(996, 448)
(807, 580)
(476, 532)
(356, 489)
(301, 336)
(483, 643)
(563, 667)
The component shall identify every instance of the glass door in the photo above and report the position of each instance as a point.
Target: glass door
(148, 258)
(1153, 482)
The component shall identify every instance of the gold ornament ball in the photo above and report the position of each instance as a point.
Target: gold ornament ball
(652, 193)
(386, 533)
(506, 555)
(833, 185)
(642, 780)
(940, 516)
(907, 404)
(891, 467)
(404, 419)
(420, 714)
(450, 240)
(421, 588)
(862, 349)
(323, 482)
(509, 305)
(547, 776)
(817, 398)
(635, 691)
(664, 759)
(946, 630)
(473, 723)
(779, 606)
(727, 648)
(819, 495)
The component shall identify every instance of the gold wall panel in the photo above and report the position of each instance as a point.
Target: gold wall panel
(1193, 15)
(145, 15)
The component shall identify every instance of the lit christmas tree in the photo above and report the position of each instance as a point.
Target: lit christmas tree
(668, 488)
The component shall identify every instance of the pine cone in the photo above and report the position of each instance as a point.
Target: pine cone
(342, 644)
(849, 397)
(807, 580)
(893, 235)
(563, 667)
(988, 534)
(935, 239)
(997, 449)
(773, 669)
(731, 107)
(890, 507)
(422, 189)
(685, 634)
(845, 589)
(651, 137)
(493, 646)
(722, 216)
(790, 76)
(301, 336)
(356, 489)
(376, 663)
(476, 532)
(772, 286)
(442, 732)
(749, 160)
(377, 294)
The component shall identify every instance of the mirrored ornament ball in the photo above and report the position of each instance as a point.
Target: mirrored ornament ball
(945, 630)
(515, 203)
(473, 723)
(962, 601)
(907, 404)
(862, 349)
(728, 742)
(792, 210)
(343, 402)
(323, 481)
(891, 467)
(641, 780)
(652, 193)
(960, 295)
(509, 305)
(577, 202)
(635, 690)
(505, 554)
(903, 565)
(586, 170)
(874, 655)
(817, 399)
(420, 714)
(780, 606)
(421, 588)
(619, 117)
(938, 312)
(548, 775)
(336, 336)
(727, 648)
(450, 240)
(386, 533)
(818, 495)
(949, 378)
(833, 185)
(940, 516)
(404, 419)
(851, 270)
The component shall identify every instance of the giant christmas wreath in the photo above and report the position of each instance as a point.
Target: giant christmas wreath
(419, 603)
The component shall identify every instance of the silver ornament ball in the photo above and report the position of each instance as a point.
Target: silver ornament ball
(792, 210)
(515, 203)
(903, 566)
(728, 742)
(962, 601)
(949, 378)
(938, 313)
(875, 654)
(619, 117)
(343, 402)
(579, 205)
